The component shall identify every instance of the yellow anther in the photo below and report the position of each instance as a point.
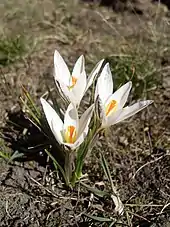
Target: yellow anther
(111, 107)
(73, 82)
(70, 134)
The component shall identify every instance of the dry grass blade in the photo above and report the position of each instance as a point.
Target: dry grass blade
(97, 218)
(107, 172)
(15, 155)
(148, 163)
(94, 190)
(119, 207)
(57, 166)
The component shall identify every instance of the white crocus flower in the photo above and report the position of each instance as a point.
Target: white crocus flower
(112, 104)
(76, 84)
(73, 130)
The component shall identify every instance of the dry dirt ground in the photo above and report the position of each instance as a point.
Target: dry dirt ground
(134, 36)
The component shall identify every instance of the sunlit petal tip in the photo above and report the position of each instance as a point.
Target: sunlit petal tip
(101, 61)
(81, 61)
(57, 57)
(126, 86)
(61, 71)
(104, 86)
(97, 68)
(79, 86)
(106, 69)
(46, 106)
(106, 73)
(132, 110)
(149, 102)
(129, 84)
(99, 65)
(107, 65)
(42, 100)
(56, 53)
(143, 104)
(79, 67)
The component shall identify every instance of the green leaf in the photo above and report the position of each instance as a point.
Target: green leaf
(4, 155)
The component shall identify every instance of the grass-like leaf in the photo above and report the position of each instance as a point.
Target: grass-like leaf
(5, 155)
(12, 49)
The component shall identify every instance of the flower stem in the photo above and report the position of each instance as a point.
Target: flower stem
(69, 160)
(83, 152)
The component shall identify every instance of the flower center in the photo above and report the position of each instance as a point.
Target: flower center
(70, 134)
(111, 107)
(73, 82)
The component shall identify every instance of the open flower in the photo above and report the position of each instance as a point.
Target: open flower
(76, 84)
(112, 104)
(73, 130)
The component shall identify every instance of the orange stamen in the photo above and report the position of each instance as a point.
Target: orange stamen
(73, 82)
(70, 135)
(111, 107)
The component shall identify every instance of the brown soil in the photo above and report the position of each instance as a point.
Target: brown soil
(137, 151)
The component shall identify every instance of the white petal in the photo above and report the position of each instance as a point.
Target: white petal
(77, 143)
(74, 95)
(111, 119)
(83, 128)
(71, 117)
(94, 73)
(67, 93)
(71, 95)
(82, 136)
(120, 95)
(104, 86)
(61, 71)
(131, 110)
(80, 140)
(78, 67)
(54, 121)
(85, 120)
(79, 88)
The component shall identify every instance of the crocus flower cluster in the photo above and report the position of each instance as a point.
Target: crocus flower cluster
(72, 131)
